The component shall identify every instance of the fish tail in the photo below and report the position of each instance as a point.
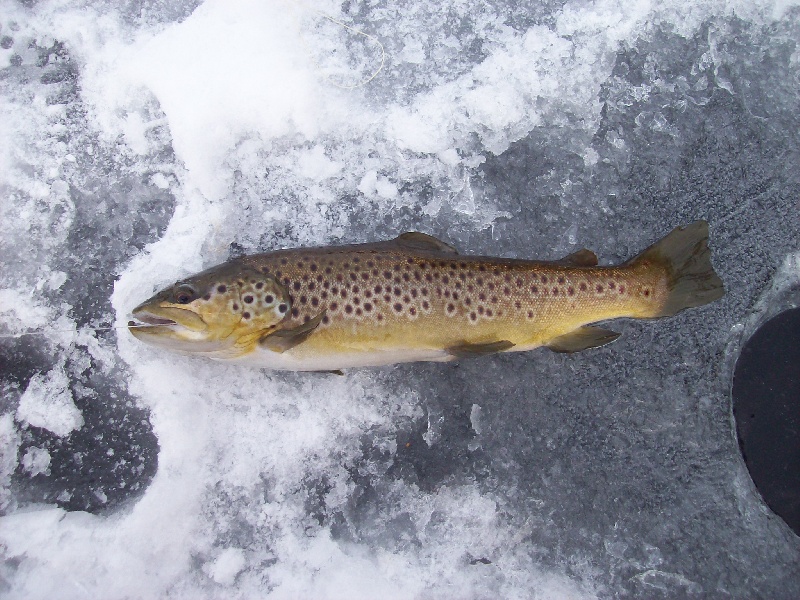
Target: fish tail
(690, 278)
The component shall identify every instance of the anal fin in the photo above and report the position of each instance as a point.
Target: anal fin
(467, 350)
(582, 338)
(286, 339)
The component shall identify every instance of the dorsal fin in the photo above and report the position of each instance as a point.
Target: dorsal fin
(580, 258)
(415, 240)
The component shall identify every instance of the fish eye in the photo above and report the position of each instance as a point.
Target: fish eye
(184, 293)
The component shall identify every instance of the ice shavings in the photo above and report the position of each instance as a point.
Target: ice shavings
(9, 445)
(47, 402)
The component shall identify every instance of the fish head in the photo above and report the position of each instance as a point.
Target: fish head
(221, 313)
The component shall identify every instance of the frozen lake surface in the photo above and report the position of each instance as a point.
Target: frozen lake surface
(144, 141)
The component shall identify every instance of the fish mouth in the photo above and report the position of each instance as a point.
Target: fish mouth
(148, 320)
(158, 320)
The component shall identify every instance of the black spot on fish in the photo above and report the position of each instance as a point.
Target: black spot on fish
(235, 306)
(583, 287)
(282, 308)
(367, 306)
(334, 305)
(314, 301)
(207, 297)
(348, 309)
(222, 289)
(398, 307)
(248, 299)
(303, 299)
(295, 312)
(259, 285)
(246, 315)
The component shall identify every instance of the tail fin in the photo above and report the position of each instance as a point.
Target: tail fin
(691, 280)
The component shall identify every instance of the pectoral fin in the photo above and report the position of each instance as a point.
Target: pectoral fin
(583, 338)
(467, 350)
(285, 339)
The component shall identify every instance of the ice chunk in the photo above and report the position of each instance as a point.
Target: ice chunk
(47, 403)
(36, 461)
(225, 568)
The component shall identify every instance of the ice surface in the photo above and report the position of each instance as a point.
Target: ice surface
(146, 141)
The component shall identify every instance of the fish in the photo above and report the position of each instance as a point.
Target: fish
(416, 298)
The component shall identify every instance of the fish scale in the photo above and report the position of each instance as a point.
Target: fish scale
(416, 298)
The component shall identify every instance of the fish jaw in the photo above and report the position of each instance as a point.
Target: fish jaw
(172, 328)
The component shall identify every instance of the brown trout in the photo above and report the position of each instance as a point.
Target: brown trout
(415, 298)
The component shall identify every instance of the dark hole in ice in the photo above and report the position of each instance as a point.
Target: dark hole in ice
(766, 405)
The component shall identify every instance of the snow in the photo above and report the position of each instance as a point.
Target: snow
(145, 142)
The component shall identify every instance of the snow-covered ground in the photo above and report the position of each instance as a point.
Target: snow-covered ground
(144, 141)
